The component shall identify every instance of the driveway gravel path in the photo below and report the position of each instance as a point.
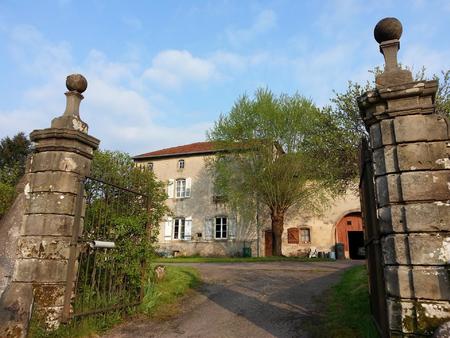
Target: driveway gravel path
(275, 299)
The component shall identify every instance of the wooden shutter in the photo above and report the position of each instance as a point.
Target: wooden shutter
(188, 228)
(208, 229)
(231, 223)
(171, 188)
(293, 235)
(168, 229)
(188, 187)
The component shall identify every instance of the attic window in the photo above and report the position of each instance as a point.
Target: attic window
(180, 164)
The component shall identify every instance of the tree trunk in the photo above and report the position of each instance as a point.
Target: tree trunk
(277, 230)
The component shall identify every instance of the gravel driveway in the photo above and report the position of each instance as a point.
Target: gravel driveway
(243, 300)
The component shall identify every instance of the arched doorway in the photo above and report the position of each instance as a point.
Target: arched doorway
(349, 231)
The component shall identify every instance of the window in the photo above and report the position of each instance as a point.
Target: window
(305, 235)
(180, 164)
(179, 227)
(150, 166)
(181, 188)
(221, 227)
(293, 236)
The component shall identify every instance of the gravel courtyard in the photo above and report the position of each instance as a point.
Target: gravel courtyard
(275, 299)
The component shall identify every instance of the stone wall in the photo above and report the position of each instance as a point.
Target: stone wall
(42, 219)
(410, 149)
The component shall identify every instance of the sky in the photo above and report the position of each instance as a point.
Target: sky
(161, 72)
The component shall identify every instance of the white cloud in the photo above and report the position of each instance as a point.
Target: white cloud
(172, 68)
(117, 107)
(265, 21)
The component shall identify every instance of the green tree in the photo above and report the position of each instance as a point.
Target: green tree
(13, 155)
(280, 152)
(344, 106)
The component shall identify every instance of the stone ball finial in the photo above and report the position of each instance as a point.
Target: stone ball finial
(388, 29)
(76, 82)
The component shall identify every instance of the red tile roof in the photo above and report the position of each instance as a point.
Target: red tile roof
(193, 148)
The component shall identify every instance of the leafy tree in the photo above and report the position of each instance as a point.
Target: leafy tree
(279, 151)
(13, 154)
(344, 110)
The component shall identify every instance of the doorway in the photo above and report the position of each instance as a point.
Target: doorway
(268, 241)
(351, 223)
(356, 245)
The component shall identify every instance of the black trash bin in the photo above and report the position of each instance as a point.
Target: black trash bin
(340, 251)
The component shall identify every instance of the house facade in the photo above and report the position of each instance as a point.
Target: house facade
(201, 223)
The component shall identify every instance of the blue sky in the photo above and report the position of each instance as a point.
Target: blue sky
(161, 72)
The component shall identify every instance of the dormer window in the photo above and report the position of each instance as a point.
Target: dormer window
(180, 164)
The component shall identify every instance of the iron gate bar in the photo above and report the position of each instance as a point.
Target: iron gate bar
(102, 279)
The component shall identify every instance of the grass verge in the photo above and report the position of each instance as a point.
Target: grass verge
(197, 259)
(347, 309)
(160, 301)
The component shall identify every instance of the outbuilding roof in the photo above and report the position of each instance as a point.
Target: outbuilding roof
(187, 149)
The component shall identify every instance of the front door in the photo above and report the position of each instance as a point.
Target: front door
(268, 239)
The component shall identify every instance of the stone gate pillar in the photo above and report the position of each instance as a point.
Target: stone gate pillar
(410, 151)
(62, 156)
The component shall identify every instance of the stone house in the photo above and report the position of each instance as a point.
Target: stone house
(202, 224)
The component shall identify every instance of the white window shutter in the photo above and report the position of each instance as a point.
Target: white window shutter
(188, 228)
(188, 186)
(208, 229)
(168, 229)
(171, 188)
(231, 228)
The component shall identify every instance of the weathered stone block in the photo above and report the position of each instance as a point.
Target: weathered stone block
(44, 247)
(416, 249)
(49, 295)
(418, 217)
(425, 185)
(430, 282)
(60, 161)
(51, 203)
(15, 310)
(401, 315)
(382, 134)
(431, 314)
(375, 136)
(413, 128)
(47, 225)
(403, 103)
(385, 160)
(388, 189)
(54, 181)
(421, 156)
(39, 270)
(420, 318)
(50, 317)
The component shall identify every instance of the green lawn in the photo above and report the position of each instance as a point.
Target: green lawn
(160, 301)
(347, 309)
(197, 259)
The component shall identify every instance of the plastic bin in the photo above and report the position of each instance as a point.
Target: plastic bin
(340, 251)
(247, 252)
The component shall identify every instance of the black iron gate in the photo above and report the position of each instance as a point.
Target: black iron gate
(372, 241)
(108, 249)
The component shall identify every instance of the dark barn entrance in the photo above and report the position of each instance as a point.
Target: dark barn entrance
(356, 244)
